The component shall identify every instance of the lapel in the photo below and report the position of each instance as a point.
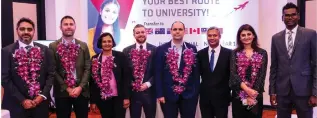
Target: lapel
(282, 42)
(297, 38)
(205, 58)
(116, 62)
(44, 57)
(79, 58)
(220, 58)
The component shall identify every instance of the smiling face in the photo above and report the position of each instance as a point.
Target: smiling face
(140, 34)
(246, 37)
(107, 43)
(110, 13)
(290, 17)
(213, 37)
(68, 27)
(25, 32)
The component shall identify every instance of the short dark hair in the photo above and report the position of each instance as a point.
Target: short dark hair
(215, 28)
(290, 5)
(24, 19)
(137, 26)
(67, 17)
(254, 44)
(102, 36)
(178, 22)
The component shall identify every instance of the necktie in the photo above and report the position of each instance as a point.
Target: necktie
(212, 60)
(141, 47)
(290, 44)
(28, 47)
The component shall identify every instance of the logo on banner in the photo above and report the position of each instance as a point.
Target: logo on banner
(194, 30)
(149, 30)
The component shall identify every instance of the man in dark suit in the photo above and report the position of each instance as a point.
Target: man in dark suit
(293, 78)
(26, 81)
(143, 92)
(214, 64)
(73, 72)
(176, 76)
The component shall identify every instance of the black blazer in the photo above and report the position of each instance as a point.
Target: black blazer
(15, 88)
(122, 75)
(149, 73)
(215, 85)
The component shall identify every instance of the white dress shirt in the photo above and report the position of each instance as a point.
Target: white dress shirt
(294, 31)
(22, 45)
(179, 51)
(216, 54)
(148, 84)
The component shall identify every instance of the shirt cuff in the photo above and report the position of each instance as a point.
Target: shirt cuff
(148, 84)
(43, 96)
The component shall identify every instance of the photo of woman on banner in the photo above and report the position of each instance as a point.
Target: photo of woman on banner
(108, 21)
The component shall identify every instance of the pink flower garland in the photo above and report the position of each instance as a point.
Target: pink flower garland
(68, 54)
(103, 79)
(243, 63)
(28, 66)
(139, 62)
(172, 59)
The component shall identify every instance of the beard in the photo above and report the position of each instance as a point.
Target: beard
(140, 41)
(25, 39)
(68, 34)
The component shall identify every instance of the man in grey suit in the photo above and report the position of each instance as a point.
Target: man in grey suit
(293, 77)
(140, 61)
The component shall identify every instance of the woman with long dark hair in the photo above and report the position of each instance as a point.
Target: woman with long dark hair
(108, 21)
(248, 70)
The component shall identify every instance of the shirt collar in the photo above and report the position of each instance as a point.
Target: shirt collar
(293, 30)
(23, 45)
(217, 49)
(138, 45)
(173, 44)
(65, 42)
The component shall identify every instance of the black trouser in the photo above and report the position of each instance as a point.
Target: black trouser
(64, 107)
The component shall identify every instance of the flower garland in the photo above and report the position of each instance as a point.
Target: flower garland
(243, 63)
(139, 62)
(28, 66)
(68, 54)
(103, 79)
(172, 59)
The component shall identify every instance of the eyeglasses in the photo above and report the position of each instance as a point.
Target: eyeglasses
(27, 29)
(290, 15)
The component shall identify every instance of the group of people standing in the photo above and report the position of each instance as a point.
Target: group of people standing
(174, 74)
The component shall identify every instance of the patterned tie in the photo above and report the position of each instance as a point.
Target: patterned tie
(290, 44)
(212, 60)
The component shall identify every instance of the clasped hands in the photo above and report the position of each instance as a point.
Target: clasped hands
(28, 103)
(74, 92)
(251, 99)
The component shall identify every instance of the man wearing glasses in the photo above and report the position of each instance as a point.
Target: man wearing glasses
(27, 74)
(293, 78)
(176, 75)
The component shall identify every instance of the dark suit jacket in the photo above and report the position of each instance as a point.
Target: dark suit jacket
(299, 71)
(122, 75)
(15, 88)
(149, 73)
(163, 78)
(215, 85)
(82, 70)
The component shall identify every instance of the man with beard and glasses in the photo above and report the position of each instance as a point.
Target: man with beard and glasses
(27, 74)
(72, 72)
(140, 57)
(293, 76)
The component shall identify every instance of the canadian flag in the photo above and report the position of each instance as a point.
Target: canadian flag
(194, 30)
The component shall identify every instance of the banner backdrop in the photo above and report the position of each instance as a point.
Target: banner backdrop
(120, 16)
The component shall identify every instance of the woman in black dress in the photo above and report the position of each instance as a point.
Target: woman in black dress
(248, 70)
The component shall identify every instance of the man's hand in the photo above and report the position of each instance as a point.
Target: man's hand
(93, 108)
(143, 87)
(251, 101)
(76, 91)
(38, 100)
(161, 100)
(28, 104)
(70, 91)
(312, 101)
(126, 103)
(273, 100)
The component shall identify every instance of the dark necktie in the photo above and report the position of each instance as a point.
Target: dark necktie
(141, 47)
(290, 44)
(212, 60)
(28, 47)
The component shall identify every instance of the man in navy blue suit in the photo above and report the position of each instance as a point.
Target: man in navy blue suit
(176, 75)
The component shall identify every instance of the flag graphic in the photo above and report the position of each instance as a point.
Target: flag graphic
(203, 30)
(159, 30)
(149, 30)
(194, 30)
(168, 30)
